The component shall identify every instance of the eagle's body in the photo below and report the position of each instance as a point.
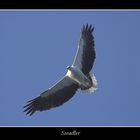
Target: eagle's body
(78, 76)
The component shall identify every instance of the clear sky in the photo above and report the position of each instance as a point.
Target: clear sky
(36, 47)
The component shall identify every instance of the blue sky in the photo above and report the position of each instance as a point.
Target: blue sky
(36, 47)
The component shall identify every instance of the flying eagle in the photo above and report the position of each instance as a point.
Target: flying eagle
(78, 76)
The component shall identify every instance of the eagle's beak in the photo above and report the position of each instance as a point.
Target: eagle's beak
(68, 67)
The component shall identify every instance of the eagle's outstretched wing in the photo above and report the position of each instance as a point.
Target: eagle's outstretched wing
(55, 96)
(85, 55)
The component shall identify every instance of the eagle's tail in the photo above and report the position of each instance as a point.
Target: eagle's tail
(94, 84)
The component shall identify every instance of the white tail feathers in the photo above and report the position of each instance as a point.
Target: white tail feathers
(94, 85)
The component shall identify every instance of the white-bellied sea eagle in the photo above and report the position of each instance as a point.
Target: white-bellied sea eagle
(78, 76)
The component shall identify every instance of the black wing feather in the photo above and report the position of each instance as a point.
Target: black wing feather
(52, 100)
(89, 54)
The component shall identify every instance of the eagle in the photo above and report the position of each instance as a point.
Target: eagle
(78, 76)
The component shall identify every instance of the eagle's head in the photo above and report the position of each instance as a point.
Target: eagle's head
(68, 67)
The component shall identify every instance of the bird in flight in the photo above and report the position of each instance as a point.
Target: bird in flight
(78, 76)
